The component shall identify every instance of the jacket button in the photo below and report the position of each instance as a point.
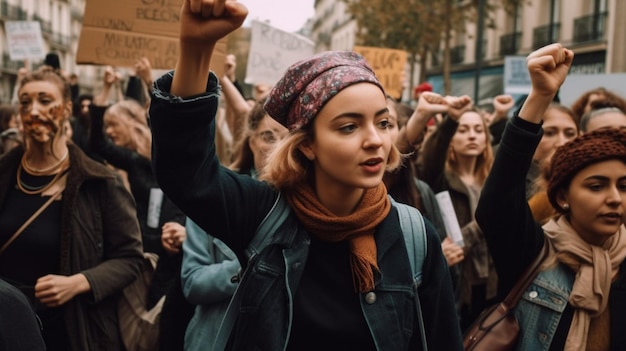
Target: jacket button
(370, 297)
(533, 294)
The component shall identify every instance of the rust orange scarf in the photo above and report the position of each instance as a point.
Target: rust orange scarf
(358, 227)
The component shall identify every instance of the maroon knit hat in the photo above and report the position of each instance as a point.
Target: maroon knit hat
(309, 84)
(589, 148)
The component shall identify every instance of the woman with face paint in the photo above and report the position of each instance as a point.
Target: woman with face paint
(69, 237)
(335, 275)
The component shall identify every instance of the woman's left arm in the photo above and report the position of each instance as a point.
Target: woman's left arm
(121, 239)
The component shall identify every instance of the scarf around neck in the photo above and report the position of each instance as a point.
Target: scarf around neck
(595, 268)
(357, 228)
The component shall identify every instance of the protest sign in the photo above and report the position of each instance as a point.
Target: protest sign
(272, 51)
(120, 32)
(516, 77)
(389, 66)
(24, 40)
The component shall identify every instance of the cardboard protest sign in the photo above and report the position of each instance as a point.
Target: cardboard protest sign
(272, 51)
(389, 66)
(24, 40)
(120, 32)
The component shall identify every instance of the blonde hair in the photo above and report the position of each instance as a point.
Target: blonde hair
(288, 167)
(484, 160)
(137, 124)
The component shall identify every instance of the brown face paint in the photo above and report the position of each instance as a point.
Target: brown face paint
(58, 115)
(43, 111)
(48, 121)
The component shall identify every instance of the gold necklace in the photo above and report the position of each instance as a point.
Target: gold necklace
(44, 171)
(23, 187)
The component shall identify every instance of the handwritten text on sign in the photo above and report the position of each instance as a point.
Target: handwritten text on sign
(120, 32)
(272, 51)
(389, 66)
(24, 40)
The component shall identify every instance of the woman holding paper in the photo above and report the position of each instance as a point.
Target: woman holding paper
(404, 184)
(456, 159)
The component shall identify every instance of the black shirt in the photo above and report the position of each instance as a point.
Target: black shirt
(327, 311)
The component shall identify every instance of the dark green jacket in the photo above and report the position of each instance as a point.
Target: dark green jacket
(99, 237)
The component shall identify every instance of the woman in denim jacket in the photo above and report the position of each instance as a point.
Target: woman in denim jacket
(577, 301)
(336, 273)
(209, 266)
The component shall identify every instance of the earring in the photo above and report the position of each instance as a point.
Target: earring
(565, 207)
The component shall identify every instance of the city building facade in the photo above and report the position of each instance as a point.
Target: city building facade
(592, 28)
(61, 24)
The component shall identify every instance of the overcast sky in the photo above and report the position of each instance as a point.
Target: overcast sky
(288, 15)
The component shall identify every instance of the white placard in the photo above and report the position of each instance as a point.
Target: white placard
(272, 51)
(516, 76)
(24, 40)
(576, 85)
(154, 207)
(449, 218)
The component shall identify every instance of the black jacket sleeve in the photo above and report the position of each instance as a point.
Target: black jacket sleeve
(503, 214)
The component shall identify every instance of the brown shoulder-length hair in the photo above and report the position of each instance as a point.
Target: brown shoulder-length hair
(485, 159)
(288, 167)
(578, 106)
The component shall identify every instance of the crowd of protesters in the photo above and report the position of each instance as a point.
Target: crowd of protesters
(186, 168)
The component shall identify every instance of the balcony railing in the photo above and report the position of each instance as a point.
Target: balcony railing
(457, 54)
(545, 35)
(324, 38)
(11, 12)
(76, 14)
(7, 64)
(590, 28)
(509, 43)
(46, 26)
(60, 40)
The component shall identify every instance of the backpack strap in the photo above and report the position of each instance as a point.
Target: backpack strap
(274, 218)
(414, 233)
(414, 230)
(262, 237)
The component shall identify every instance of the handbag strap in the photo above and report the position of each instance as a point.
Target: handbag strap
(524, 281)
(31, 219)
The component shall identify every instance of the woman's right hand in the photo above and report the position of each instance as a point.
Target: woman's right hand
(202, 24)
(452, 251)
(548, 67)
(458, 105)
(207, 21)
(430, 104)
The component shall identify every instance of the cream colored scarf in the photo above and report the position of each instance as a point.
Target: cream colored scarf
(595, 268)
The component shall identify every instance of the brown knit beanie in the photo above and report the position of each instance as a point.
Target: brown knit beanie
(589, 148)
